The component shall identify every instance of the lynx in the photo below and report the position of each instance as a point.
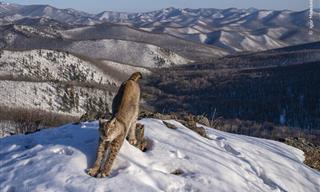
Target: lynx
(125, 108)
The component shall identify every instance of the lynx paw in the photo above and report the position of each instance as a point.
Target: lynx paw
(92, 172)
(102, 175)
(133, 141)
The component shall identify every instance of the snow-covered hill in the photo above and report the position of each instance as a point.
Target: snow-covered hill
(137, 54)
(8, 7)
(51, 66)
(56, 159)
(12, 12)
(33, 34)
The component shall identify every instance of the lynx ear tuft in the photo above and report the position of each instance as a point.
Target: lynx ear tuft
(136, 76)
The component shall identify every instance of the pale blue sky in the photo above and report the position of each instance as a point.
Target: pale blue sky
(96, 6)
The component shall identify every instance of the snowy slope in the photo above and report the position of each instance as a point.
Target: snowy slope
(51, 65)
(56, 159)
(133, 53)
(54, 97)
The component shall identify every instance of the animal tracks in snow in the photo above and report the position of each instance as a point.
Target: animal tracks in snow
(178, 154)
(181, 160)
(64, 150)
(227, 147)
(252, 169)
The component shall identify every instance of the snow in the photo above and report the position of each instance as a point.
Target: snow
(203, 38)
(264, 13)
(48, 96)
(129, 52)
(110, 15)
(56, 159)
(50, 65)
(126, 69)
(184, 30)
(240, 41)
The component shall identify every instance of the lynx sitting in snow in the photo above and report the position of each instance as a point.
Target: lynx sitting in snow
(125, 109)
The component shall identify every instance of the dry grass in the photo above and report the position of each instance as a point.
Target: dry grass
(31, 120)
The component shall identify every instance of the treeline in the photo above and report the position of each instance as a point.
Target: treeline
(288, 95)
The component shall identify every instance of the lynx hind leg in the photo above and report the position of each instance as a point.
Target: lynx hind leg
(115, 146)
(132, 133)
(100, 155)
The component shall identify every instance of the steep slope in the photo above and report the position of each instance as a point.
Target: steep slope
(56, 159)
(58, 97)
(47, 65)
(55, 81)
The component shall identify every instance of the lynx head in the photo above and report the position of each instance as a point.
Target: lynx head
(110, 130)
(136, 76)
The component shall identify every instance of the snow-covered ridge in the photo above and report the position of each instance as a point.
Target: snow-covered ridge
(190, 24)
(8, 7)
(54, 97)
(129, 52)
(50, 65)
(56, 159)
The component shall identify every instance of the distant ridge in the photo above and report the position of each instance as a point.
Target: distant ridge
(232, 29)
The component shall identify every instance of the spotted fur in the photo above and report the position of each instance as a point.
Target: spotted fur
(125, 108)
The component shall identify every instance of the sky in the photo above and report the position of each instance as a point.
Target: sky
(96, 6)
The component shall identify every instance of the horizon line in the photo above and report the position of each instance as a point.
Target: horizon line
(152, 10)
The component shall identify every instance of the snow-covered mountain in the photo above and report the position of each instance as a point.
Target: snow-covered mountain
(12, 12)
(231, 29)
(8, 8)
(177, 160)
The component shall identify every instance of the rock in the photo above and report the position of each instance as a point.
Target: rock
(191, 124)
(177, 172)
(169, 125)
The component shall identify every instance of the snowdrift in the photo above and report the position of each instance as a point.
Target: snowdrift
(56, 159)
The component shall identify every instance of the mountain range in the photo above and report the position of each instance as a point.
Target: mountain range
(233, 30)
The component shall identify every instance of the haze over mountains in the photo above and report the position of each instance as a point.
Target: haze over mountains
(230, 29)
